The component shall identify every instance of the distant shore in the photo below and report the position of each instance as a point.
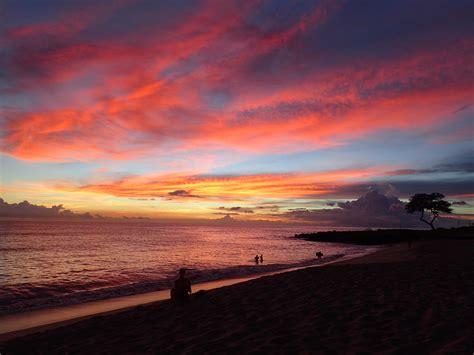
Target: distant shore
(411, 299)
(387, 236)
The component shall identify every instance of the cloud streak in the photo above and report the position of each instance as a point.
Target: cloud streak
(258, 187)
(231, 187)
(215, 89)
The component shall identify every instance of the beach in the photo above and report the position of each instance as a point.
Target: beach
(402, 299)
(50, 264)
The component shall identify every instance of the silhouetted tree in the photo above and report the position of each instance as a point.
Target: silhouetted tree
(432, 203)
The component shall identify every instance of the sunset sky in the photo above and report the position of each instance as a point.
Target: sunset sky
(257, 109)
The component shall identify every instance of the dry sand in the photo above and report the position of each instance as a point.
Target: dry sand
(398, 300)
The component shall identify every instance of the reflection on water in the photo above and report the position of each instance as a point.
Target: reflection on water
(49, 262)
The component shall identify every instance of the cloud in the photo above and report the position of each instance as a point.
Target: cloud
(256, 188)
(459, 203)
(210, 82)
(461, 109)
(450, 186)
(261, 211)
(371, 210)
(196, 87)
(26, 209)
(226, 213)
(402, 172)
(182, 193)
(460, 166)
(227, 187)
(268, 208)
(237, 209)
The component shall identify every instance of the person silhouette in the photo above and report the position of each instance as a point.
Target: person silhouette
(261, 258)
(256, 259)
(182, 288)
(319, 254)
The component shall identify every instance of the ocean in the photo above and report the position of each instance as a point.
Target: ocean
(52, 263)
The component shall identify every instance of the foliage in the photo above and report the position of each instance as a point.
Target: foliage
(432, 203)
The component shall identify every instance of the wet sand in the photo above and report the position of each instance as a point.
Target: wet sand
(401, 299)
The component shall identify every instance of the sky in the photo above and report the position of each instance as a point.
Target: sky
(275, 110)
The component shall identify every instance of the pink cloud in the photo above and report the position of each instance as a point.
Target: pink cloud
(149, 94)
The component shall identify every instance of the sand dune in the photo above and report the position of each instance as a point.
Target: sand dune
(405, 300)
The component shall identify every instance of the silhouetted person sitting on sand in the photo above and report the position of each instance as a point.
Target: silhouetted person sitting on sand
(261, 258)
(182, 288)
(256, 259)
(319, 254)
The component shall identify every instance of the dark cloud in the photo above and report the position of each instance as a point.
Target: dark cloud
(459, 203)
(374, 28)
(182, 193)
(269, 208)
(371, 210)
(461, 109)
(257, 209)
(449, 187)
(237, 209)
(407, 187)
(262, 209)
(226, 213)
(461, 162)
(463, 167)
(26, 209)
(411, 172)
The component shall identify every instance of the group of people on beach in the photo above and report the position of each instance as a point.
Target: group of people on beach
(181, 291)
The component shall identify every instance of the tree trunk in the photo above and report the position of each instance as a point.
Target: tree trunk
(427, 222)
(435, 215)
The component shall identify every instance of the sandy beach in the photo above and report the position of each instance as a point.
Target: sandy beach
(401, 299)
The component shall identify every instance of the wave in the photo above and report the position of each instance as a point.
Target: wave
(27, 297)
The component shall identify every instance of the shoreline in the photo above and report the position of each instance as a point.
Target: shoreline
(29, 322)
(407, 299)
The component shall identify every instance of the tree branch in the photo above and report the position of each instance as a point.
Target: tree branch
(435, 215)
(424, 220)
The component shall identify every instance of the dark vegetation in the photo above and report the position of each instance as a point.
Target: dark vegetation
(387, 236)
(432, 203)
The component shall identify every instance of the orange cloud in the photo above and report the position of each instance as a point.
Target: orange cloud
(229, 188)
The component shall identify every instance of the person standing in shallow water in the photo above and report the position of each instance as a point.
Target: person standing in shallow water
(182, 288)
(256, 259)
(261, 258)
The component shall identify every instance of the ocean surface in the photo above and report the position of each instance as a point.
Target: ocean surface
(52, 263)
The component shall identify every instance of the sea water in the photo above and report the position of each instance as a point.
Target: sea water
(51, 263)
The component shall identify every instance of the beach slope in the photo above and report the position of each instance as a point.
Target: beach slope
(403, 299)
